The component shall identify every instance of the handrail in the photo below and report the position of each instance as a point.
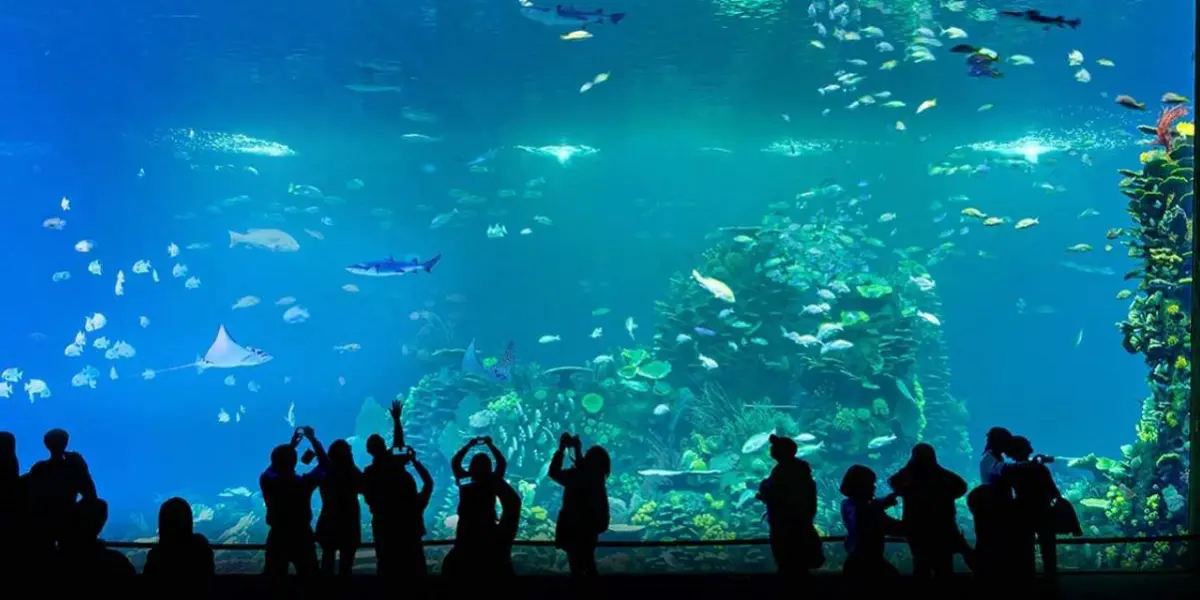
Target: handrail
(1070, 541)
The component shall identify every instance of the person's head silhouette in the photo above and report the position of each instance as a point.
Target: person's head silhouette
(340, 455)
(782, 448)
(174, 520)
(56, 442)
(283, 459)
(858, 482)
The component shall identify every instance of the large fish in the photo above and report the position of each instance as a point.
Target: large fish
(569, 16)
(389, 267)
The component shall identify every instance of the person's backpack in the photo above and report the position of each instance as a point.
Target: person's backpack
(1064, 517)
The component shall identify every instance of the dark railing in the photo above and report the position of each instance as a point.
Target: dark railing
(1062, 541)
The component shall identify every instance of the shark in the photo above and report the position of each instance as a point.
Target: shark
(225, 353)
(501, 372)
(389, 267)
(569, 16)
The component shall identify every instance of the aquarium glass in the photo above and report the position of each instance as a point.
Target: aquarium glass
(672, 228)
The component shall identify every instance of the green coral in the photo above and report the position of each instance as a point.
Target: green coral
(592, 403)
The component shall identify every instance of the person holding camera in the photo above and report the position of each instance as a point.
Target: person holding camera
(475, 537)
(397, 507)
(584, 514)
(867, 524)
(1033, 508)
(288, 497)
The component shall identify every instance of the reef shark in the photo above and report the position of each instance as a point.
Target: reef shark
(569, 16)
(389, 267)
(501, 372)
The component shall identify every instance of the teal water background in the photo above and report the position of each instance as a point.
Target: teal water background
(89, 87)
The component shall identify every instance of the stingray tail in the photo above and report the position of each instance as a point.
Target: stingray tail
(199, 364)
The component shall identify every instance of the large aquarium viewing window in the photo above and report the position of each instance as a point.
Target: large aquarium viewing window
(675, 229)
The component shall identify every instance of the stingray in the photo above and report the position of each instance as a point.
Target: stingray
(498, 373)
(225, 353)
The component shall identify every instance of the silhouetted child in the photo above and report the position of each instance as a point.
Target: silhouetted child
(288, 497)
(397, 507)
(55, 484)
(790, 494)
(82, 557)
(584, 514)
(182, 560)
(1035, 491)
(867, 524)
(475, 536)
(339, 527)
(929, 492)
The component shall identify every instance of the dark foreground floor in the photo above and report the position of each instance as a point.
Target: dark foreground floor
(1130, 586)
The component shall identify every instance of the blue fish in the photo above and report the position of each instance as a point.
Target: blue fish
(389, 267)
(569, 16)
(501, 372)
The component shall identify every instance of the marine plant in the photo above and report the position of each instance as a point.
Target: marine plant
(1147, 485)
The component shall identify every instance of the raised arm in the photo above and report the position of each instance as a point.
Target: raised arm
(498, 457)
(456, 461)
(397, 427)
(556, 472)
(426, 492)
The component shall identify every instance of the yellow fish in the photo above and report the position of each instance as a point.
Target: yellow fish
(715, 286)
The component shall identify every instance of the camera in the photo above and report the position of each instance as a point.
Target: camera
(1042, 459)
(308, 456)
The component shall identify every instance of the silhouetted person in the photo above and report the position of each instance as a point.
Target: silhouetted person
(397, 507)
(14, 504)
(182, 560)
(506, 529)
(55, 484)
(584, 514)
(82, 557)
(288, 497)
(867, 524)
(790, 494)
(475, 536)
(992, 508)
(339, 526)
(929, 492)
(1035, 491)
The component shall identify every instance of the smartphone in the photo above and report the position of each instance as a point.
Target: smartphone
(308, 456)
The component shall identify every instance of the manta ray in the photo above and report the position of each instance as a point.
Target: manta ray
(225, 353)
(500, 372)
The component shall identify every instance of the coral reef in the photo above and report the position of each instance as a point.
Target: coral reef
(1146, 487)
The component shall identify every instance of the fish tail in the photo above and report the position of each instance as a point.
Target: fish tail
(617, 17)
(234, 238)
(429, 264)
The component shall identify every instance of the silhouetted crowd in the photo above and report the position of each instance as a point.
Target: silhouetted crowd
(51, 517)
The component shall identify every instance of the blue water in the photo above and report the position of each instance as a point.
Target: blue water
(90, 87)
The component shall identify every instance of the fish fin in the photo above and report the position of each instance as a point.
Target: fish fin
(431, 263)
